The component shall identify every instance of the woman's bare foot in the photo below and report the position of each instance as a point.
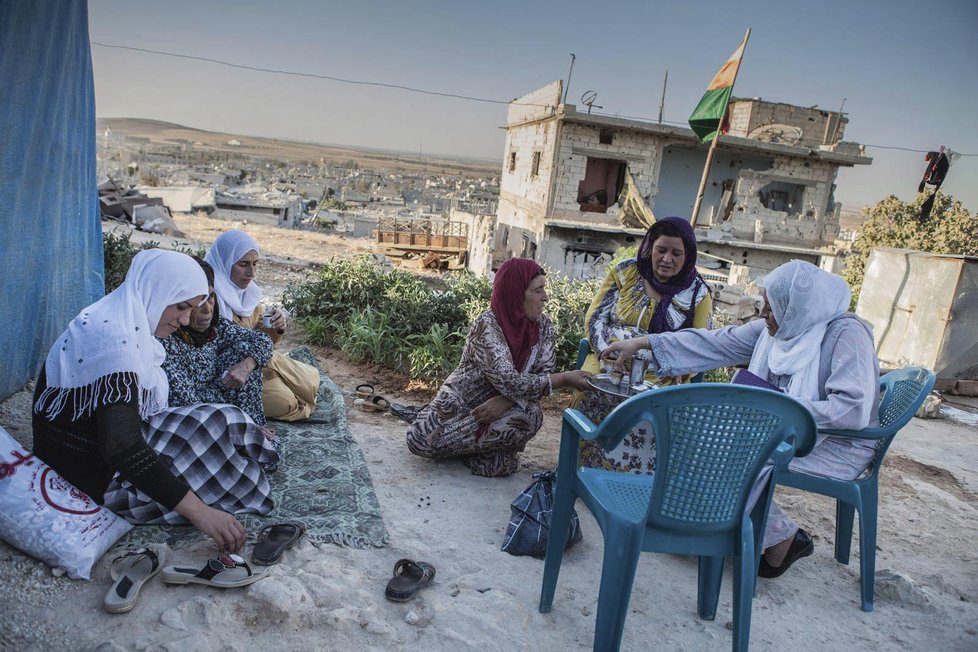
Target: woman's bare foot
(267, 432)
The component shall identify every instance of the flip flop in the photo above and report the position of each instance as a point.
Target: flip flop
(274, 540)
(130, 572)
(224, 572)
(409, 578)
(375, 403)
(365, 390)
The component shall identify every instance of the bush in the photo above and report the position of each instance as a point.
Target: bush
(118, 251)
(399, 320)
(951, 229)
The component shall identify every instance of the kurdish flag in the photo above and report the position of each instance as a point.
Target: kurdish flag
(709, 113)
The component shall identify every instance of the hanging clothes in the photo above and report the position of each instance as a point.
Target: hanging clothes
(937, 167)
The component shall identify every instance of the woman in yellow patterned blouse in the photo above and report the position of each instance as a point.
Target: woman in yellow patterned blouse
(657, 291)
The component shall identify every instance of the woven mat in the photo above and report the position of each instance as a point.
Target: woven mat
(322, 480)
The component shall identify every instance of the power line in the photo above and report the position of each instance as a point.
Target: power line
(360, 82)
(294, 73)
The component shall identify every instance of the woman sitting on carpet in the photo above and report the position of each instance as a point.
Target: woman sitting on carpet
(489, 407)
(658, 291)
(808, 345)
(211, 360)
(101, 418)
(288, 386)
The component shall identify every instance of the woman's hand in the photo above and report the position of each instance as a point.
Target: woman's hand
(228, 534)
(279, 316)
(621, 351)
(491, 409)
(237, 375)
(576, 379)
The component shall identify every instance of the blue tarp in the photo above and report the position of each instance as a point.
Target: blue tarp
(50, 233)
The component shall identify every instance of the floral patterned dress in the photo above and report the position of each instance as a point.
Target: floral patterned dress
(446, 428)
(621, 310)
(193, 371)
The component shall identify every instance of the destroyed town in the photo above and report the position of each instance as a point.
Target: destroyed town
(397, 339)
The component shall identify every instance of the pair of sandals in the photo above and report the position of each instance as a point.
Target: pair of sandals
(368, 401)
(133, 569)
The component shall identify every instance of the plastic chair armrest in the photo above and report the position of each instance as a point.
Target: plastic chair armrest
(865, 433)
(784, 453)
(580, 423)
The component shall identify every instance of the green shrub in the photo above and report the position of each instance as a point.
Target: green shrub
(951, 229)
(400, 320)
(118, 251)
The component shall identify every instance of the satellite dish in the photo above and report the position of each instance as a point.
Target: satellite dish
(588, 100)
(776, 133)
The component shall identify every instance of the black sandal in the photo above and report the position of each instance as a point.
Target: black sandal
(274, 540)
(409, 578)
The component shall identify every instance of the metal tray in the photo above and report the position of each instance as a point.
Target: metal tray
(604, 384)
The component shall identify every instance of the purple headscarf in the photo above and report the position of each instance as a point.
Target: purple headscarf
(675, 227)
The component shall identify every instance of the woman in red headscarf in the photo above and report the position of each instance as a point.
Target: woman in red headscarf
(489, 407)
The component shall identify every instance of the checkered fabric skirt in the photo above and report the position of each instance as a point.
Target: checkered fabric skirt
(217, 449)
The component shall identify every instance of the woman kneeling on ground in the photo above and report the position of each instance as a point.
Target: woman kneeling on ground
(658, 291)
(809, 346)
(211, 360)
(288, 386)
(489, 407)
(102, 421)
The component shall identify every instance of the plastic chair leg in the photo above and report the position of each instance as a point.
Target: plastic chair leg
(559, 529)
(744, 580)
(622, 548)
(867, 548)
(708, 588)
(844, 513)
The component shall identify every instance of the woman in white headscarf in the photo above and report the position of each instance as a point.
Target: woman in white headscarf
(288, 386)
(807, 345)
(101, 418)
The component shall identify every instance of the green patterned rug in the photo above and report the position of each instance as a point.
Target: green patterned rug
(322, 480)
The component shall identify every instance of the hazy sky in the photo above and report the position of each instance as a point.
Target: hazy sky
(906, 69)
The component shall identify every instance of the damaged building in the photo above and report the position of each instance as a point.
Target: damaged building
(769, 196)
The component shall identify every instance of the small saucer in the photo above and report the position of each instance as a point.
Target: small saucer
(604, 384)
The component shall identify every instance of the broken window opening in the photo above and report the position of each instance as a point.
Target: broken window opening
(585, 263)
(606, 136)
(603, 181)
(512, 161)
(782, 197)
(535, 167)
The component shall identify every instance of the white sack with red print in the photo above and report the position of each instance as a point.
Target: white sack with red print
(46, 517)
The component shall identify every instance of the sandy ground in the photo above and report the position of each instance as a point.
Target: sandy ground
(332, 597)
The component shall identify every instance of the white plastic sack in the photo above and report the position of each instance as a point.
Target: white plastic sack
(49, 519)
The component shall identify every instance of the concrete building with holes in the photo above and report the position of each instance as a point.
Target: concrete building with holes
(769, 196)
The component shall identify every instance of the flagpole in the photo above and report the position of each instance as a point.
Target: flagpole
(713, 146)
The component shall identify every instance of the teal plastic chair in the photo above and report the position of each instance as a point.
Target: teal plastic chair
(902, 393)
(712, 441)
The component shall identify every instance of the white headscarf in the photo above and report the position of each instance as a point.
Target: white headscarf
(228, 249)
(804, 299)
(116, 334)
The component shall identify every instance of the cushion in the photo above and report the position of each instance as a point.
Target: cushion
(49, 519)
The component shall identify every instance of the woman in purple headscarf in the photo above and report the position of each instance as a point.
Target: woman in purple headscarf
(657, 291)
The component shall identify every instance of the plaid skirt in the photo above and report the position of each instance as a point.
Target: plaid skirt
(217, 449)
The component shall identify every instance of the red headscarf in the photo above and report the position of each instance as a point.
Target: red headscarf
(508, 291)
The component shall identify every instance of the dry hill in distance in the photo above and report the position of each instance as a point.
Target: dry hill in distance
(286, 150)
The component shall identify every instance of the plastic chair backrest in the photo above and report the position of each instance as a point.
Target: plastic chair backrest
(902, 391)
(711, 441)
(583, 349)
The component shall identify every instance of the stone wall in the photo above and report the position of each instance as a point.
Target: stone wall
(746, 116)
(814, 223)
(578, 142)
